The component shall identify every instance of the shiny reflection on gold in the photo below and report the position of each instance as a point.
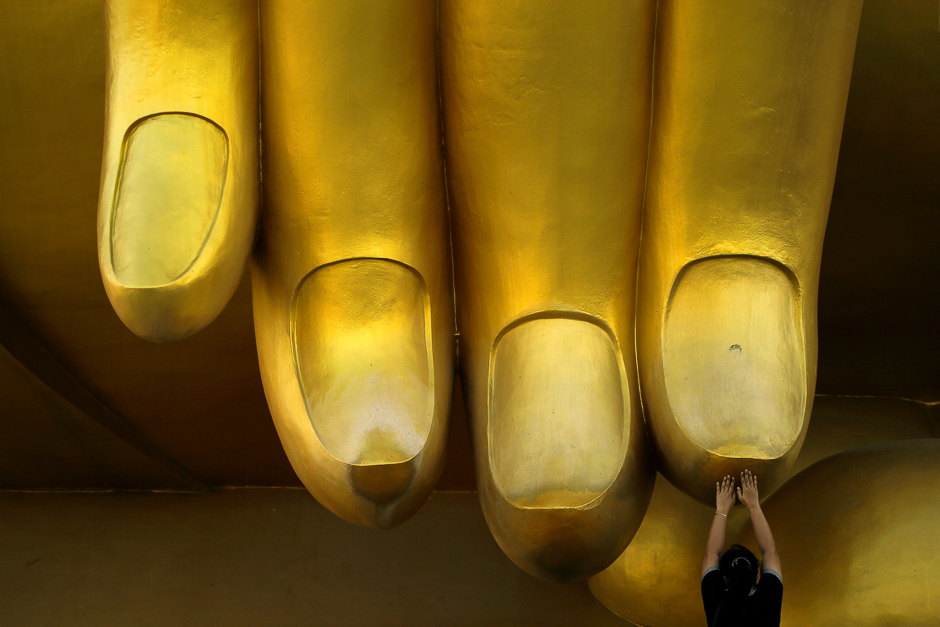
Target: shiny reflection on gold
(174, 166)
(858, 537)
(352, 290)
(361, 348)
(733, 352)
(749, 99)
(547, 114)
(576, 460)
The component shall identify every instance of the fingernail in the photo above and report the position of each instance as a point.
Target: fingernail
(557, 423)
(359, 335)
(733, 351)
(559, 432)
(168, 194)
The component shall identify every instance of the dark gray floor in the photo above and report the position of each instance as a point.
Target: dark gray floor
(262, 557)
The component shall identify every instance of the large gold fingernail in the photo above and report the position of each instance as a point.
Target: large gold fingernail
(168, 194)
(733, 357)
(556, 423)
(361, 350)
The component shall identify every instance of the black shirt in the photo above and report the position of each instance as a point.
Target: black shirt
(760, 609)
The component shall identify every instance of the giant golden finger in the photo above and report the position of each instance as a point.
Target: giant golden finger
(749, 102)
(546, 111)
(179, 183)
(352, 291)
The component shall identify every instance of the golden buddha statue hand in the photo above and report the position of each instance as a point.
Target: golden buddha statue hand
(550, 153)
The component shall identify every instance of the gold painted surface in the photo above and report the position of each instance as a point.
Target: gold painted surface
(657, 580)
(752, 304)
(523, 371)
(552, 284)
(352, 291)
(176, 164)
(361, 349)
(749, 101)
(179, 179)
(546, 112)
(858, 537)
(201, 401)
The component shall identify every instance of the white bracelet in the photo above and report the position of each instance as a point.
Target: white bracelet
(720, 514)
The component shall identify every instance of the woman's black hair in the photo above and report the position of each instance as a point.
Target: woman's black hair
(739, 566)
